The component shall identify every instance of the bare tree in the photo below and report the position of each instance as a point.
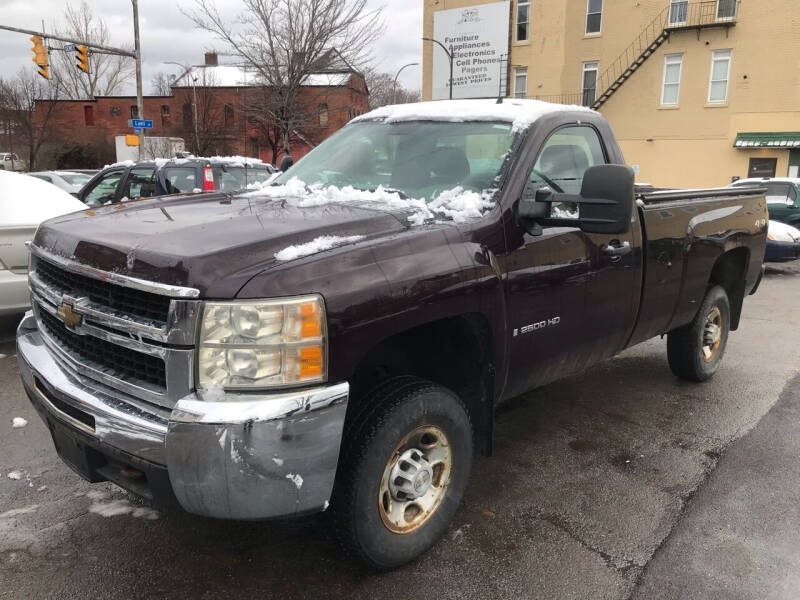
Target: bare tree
(28, 104)
(382, 90)
(108, 73)
(285, 41)
(215, 117)
(161, 84)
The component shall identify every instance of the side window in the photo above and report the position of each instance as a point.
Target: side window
(180, 179)
(562, 162)
(141, 184)
(104, 191)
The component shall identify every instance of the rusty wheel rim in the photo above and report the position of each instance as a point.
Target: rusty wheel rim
(712, 334)
(415, 479)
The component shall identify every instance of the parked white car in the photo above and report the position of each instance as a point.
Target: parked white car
(66, 180)
(24, 203)
(9, 161)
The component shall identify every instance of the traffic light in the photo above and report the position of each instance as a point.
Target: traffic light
(40, 56)
(82, 53)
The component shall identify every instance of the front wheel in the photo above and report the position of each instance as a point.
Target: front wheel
(696, 349)
(403, 471)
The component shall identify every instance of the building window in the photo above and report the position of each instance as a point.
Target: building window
(229, 115)
(678, 12)
(523, 20)
(594, 16)
(254, 149)
(115, 111)
(589, 85)
(762, 167)
(134, 111)
(726, 9)
(323, 115)
(520, 82)
(670, 94)
(720, 73)
(88, 115)
(164, 115)
(186, 109)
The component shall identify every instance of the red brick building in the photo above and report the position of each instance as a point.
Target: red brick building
(228, 104)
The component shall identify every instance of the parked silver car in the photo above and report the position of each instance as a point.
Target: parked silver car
(68, 181)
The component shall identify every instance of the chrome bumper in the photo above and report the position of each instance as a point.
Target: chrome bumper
(252, 456)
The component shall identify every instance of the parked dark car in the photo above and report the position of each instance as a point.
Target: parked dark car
(160, 177)
(783, 197)
(344, 336)
(783, 243)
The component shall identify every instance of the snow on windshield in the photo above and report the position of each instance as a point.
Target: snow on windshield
(456, 205)
(26, 200)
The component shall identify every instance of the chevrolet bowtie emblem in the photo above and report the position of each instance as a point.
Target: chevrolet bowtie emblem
(70, 317)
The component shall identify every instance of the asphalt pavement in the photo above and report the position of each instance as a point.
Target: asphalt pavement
(622, 482)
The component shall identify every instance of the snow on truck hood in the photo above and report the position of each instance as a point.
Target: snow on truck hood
(27, 201)
(521, 113)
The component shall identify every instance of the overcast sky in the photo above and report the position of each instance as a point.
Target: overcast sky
(167, 35)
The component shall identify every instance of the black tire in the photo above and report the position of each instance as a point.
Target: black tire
(687, 358)
(392, 411)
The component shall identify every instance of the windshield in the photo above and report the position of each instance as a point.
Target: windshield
(418, 159)
(75, 178)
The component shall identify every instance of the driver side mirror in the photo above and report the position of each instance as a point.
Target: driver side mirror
(605, 204)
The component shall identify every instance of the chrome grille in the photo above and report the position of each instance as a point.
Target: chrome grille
(129, 334)
(125, 363)
(124, 300)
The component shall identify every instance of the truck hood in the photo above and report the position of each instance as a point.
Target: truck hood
(212, 242)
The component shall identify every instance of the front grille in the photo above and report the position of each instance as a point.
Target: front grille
(121, 299)
(123, 363)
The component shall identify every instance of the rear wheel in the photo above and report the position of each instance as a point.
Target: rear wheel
(403, 471)
(696, 349)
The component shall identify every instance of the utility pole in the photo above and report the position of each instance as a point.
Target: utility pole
(137, 52)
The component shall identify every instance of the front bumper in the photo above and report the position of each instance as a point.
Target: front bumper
(252, 456)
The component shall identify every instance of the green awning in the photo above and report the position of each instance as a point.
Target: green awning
(778, 139)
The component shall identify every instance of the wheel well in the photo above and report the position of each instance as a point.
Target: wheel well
(454, 352)
(729, 272)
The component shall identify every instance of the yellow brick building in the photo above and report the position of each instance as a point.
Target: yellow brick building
(697, 92)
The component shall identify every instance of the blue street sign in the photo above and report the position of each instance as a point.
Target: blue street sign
(137, 130)
(141, 123)
(70, 47)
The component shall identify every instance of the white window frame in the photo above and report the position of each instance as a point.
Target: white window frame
(727, 80)
(733, 16)
(592, 65)
(518, 71)
(671, 59)
(527, 23)
(685, 14)
(600, 29)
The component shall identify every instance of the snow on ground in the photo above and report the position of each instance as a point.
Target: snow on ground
(101, 505)
(15, 475)
(320, 244)
(457, 204)
(520, 112)
(15, 512)
(18, 422)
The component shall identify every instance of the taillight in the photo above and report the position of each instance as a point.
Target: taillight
(208, 179)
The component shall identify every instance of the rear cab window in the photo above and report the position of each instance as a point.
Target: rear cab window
(141, 183)
(181, 179)
(104, 189)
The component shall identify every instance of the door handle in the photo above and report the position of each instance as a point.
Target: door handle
(617, 250)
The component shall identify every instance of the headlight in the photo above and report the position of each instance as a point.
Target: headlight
(262, 344)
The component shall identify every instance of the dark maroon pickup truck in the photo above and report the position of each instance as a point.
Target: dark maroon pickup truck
(341, 338)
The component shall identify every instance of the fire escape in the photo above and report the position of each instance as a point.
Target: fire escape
(678, 16)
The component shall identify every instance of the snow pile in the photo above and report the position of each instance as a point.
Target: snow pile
(122, 163)
(236, 161)
(27, 201)
(297, 480)
(520, 112)
(114, 508)
(320, 244)
(15, 475)
(456, 204)
(18, 422)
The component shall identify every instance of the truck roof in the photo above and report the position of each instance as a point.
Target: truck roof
(522, 113)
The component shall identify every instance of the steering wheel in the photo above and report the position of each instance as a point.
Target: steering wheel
(548, 181)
